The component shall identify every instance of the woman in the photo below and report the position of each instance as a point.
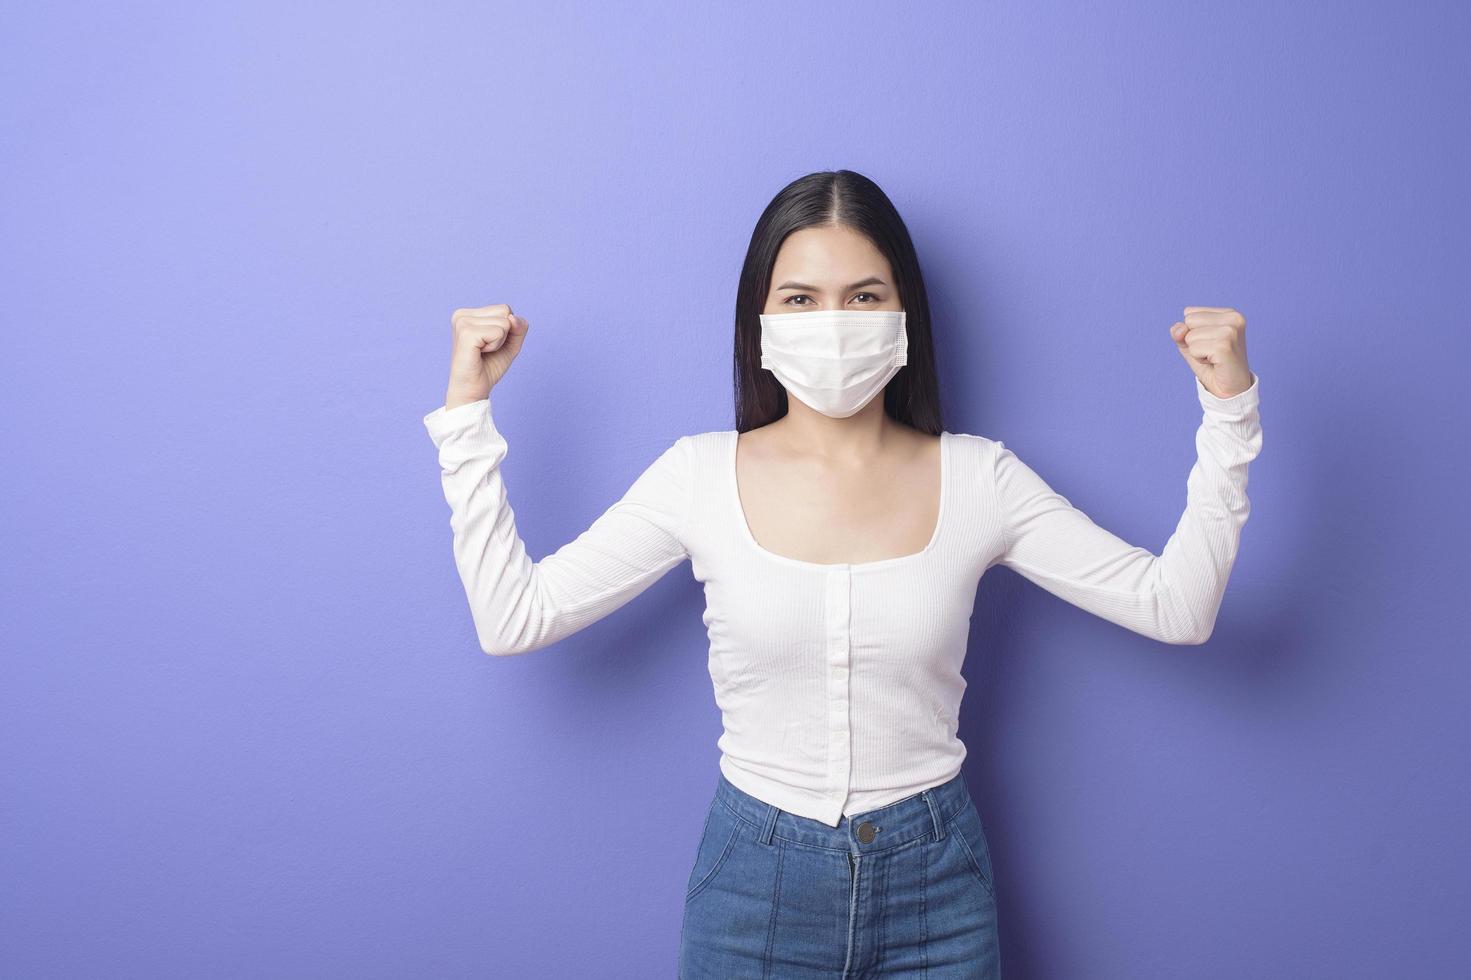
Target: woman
(840, 537)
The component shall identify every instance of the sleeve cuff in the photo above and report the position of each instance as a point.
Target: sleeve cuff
(444, 422)
(1237, 405)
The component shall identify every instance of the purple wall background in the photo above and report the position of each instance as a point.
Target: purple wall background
(246, 730)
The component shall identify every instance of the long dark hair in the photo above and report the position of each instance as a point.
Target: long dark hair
(834, 197)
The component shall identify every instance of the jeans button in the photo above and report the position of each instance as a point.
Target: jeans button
(866, 832)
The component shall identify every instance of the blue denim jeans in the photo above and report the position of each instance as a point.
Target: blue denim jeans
(902, 891)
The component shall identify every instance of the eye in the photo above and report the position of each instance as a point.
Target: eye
(871, 297)
(789, 299)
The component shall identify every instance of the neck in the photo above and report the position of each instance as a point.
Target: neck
(861, 434)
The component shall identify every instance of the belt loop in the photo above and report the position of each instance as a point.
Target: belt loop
(768, 826)
(929, 798)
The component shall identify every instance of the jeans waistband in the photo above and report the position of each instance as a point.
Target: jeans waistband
(926, 813)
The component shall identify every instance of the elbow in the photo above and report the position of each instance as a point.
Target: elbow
(510, 624)
(495, 642)
(1191, 633)
(504, 649)
(501, 646)
(1177, 636)
(1194, 638)
(490, 644)
(1181, 621)
(500, 632)
(507, 643)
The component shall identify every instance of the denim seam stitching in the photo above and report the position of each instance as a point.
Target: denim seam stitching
(883, 903)
(975, 865)
(924, 912)
(719, 863)
(771, 921)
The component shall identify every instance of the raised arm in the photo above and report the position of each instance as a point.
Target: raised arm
(1173, 596)
(519, 605)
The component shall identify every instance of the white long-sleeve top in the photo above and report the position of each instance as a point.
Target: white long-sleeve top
(840, 685)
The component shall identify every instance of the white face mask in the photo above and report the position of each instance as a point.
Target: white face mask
(834, 361)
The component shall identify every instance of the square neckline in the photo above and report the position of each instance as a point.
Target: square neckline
(744, 529)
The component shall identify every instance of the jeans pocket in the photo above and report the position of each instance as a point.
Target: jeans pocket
(717, 840)
(971, 835)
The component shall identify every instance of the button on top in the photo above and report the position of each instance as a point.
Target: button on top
(866, 832)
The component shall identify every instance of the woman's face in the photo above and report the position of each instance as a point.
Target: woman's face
(830, 267)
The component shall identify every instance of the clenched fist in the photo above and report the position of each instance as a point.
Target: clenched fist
(1212, 339)
(486, 341)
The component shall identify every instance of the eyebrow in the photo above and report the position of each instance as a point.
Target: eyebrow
(870, 281)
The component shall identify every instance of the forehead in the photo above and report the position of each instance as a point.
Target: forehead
(834, 252)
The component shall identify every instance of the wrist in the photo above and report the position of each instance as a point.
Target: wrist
(456, 397)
